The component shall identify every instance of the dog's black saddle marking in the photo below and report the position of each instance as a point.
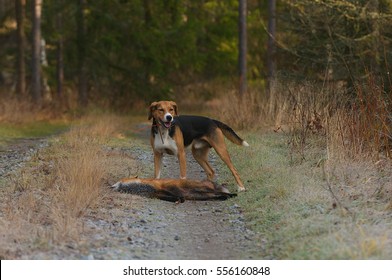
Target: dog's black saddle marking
(194, 127)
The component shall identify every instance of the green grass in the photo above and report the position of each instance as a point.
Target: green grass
(289, 206)
(29, 130)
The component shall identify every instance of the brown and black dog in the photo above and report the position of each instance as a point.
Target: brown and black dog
(174, 190)
(171, 134)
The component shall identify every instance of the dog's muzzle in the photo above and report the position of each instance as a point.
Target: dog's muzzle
(168, 120)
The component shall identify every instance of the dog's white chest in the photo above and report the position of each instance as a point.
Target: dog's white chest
(165, 144)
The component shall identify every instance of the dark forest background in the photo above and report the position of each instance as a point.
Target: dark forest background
(127, 51)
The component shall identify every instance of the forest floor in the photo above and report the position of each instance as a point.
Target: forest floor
(298, 205)
(125, 226)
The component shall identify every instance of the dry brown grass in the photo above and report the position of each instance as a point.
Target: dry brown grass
(334, 202)
(16, 111)
(352, 126)
(242, 112)
(44, 203)
(253, 110)
(80, 172)
(364, 128)
(19, 111)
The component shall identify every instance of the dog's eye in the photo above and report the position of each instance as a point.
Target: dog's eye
(161, 110)
(171, 109)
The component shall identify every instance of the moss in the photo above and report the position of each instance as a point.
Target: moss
(29, 130)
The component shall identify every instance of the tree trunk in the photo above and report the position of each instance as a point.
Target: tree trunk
(148, 23)
(60, 58)
(81, 35)
(242, 46)
(271, 47)
(374, 10)
(20, 10)
(36, 52)
(147, 12)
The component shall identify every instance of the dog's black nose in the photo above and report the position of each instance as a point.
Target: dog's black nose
(169, 118)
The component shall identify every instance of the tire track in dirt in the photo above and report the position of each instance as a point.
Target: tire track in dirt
(15, 154)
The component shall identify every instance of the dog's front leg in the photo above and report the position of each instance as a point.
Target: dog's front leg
(157, 164)
(182, 161)
(179, 139)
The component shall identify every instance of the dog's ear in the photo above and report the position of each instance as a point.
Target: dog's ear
(152, 108)
(175, 107)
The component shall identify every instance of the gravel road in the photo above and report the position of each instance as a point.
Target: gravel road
(16, 153)
(133, 227)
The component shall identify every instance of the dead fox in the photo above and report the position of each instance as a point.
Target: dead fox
(174, 190)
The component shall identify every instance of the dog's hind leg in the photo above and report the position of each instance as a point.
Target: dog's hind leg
(219, 145)
(201, 156)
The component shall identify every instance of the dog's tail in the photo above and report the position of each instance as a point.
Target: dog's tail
(230, 134)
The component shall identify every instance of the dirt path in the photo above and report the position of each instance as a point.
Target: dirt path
(126, 226)
(164, 230)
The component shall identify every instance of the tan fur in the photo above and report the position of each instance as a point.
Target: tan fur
(160, 108)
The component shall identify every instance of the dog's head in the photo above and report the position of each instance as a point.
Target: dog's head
(163, 112)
